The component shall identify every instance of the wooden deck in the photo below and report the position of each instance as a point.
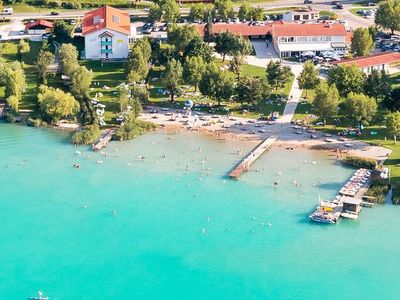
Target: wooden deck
(103, 140)
(245, 164)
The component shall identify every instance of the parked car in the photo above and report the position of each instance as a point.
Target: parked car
(308, 2)
(54, 13)
(339, 6)
(21, 32)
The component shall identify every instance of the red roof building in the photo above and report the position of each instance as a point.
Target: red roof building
(379, 61)
(290, 39)
(106, 17)
(39, 27)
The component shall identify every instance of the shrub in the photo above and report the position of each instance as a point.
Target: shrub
(35, 122)
(88, 135)
(378, 190)
(360, 162)
(132, 129)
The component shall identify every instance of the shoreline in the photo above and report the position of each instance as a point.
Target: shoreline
(249, 131)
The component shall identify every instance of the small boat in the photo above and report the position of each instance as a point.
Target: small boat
(348, 215)
(327, 135)
(320, 218)
(367, 204)
(311, 130)
(39, 297)
(328, 140)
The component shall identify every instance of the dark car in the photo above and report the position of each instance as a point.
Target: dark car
(54, 13)
(308, 2)
(339, 6)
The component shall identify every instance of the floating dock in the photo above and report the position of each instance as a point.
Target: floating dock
(103, 140)
(348, 202)
(245, 164)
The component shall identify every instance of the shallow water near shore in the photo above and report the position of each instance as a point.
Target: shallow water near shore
(174, 227)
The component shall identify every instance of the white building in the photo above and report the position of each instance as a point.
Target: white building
(106, 31)
(291, 39)
(384, 61)
(300, 15)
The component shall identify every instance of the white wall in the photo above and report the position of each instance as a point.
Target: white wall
(93, 45)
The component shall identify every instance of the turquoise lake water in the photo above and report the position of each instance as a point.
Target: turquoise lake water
(178, 234)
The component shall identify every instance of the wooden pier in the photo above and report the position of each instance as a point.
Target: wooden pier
(245, 164)
(103, 140)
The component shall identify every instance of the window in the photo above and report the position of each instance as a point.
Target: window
(305, 17)
(116, 19)
(96, 20)
(296, 18)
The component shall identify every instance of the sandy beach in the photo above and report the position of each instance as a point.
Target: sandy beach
(253, 131)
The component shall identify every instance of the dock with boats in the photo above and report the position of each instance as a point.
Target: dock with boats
(103, 140)
(246, 162)
(348, 203)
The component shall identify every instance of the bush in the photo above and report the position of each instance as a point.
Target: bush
(396, 194)
(360, 162)
(35, 122)
(88, 135)
(132, 129)
(378, 190)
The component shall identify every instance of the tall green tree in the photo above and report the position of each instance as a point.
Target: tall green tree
(124, 99)
(56, 104)
(216, 83)
(257, 13)
(347, 79)
(193, 69)
(68, 58)
(362, 43)
(80, 82)
(155, 13)
(309, 76)
(23, 48)
(393, 124)
(44, 60)
(197, 12)
(137, 65)
(231, 44)
(197, 47)
(144, 44)
(360, 108)
(277, 74)
(171, 11)
(236, 65)
(377, 85)
(392, 100)
(15, 81)
(253, 89)
(388, 15)
(223, 9)
(326, 101)
(181, 36)
(244, 13)
(173, 77)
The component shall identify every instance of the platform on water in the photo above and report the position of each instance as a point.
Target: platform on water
(348, 202)
(246, 162)
(103, 140)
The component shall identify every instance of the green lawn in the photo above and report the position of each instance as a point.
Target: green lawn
(109, 74)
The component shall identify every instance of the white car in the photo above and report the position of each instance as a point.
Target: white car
(21, 32)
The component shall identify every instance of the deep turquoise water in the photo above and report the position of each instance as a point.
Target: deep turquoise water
(178, 234)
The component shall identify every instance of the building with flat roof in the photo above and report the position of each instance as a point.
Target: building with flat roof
(106, 31)
(292, 39)
(301, 15)
(379, 61)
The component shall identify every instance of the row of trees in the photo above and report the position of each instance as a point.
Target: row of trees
(349, 89)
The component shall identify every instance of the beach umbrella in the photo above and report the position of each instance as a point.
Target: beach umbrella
(189, 103)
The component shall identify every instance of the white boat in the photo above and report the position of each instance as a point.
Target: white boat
(348, 215)
(39, 297)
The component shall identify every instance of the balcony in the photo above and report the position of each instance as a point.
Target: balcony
(106, 50)
(103, 43)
